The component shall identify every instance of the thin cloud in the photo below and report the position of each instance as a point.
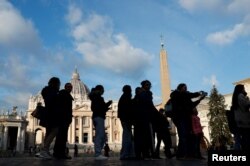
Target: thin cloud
(239, 6)
(198, 5)
(17, 100)
(212, 80)
(216, 6)
(74, 16)
(96, 41)
(235, 7)
(15, 30)
(230, 35)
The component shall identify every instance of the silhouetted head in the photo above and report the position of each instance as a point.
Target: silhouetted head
(161, 110)
(126, 89)
(238, 89)
(99, 89)
(54, 82)
(68, 87)
(138, 90)
(182, 87)
(146, 84)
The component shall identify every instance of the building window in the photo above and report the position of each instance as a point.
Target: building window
(76, 121)
(77, 139)
(85, 137)
(116, 138)
(85, 121)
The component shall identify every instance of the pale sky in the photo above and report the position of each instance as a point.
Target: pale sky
(117, 42)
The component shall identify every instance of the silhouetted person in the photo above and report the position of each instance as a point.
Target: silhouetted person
(182, 106)
(50, 97)
(75, 150)
(197, 133)
(144, 113)
(138, 127)
(99, 108)
(125, 114)
(106, 150)
(30, 150)
(65, 117)
(240, 106)
(161, 128)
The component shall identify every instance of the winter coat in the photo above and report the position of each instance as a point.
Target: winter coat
(98, 105)
(125, 112)
(65, 107)
(50, 97)
(182, 103)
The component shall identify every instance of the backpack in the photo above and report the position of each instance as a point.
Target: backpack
(168, 108)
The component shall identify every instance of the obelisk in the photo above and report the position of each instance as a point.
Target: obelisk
(165, 77)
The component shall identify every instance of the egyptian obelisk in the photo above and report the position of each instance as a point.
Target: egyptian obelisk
(165, 77)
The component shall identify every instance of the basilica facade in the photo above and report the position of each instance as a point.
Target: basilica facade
(81, 130)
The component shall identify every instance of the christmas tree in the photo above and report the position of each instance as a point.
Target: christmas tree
(219, 131)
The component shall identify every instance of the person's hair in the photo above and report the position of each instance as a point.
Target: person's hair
(54, 82)
(67, 84)
(99, 87)
(180, 86)
(126, 88)
(161, 110)
(237, 90)
(138, 90)
(143, 83)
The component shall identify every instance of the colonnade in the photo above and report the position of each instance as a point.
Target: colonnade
(20, 139)
(84, 124)
(80, 128)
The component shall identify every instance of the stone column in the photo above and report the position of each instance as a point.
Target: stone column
(22, 140)
(18, 139)
(120, 132)
(80, 130)
(69, 134)
(91, 131)
(73, 129)
(5, 137)
(110, 129)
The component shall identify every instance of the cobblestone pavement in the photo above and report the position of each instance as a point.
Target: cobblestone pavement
(90, 161)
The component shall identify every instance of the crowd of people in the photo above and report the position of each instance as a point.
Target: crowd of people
(146, 120)
(141, 122)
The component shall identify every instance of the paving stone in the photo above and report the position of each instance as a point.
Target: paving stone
(90, 161)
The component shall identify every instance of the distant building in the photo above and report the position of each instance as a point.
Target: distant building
(81, 130)
(12, 131)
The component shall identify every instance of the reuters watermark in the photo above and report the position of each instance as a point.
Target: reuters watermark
(228, 158)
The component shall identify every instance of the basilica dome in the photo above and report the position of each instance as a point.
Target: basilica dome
(79, 91)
